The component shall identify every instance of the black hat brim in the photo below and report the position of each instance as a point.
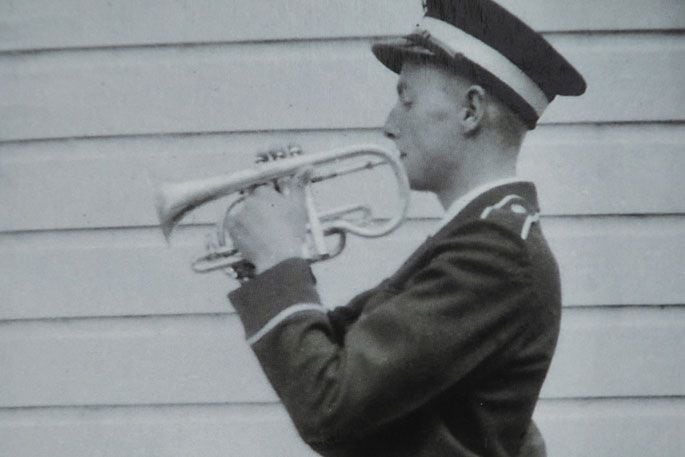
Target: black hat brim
(393, 52)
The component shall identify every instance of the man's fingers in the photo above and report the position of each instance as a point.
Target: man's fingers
(301, 179)
(263, 190)
(283, 185)
(297, 182)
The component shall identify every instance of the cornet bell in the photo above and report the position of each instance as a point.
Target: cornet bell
(167, 218)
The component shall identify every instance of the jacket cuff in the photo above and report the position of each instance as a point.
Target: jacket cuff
(259, 300)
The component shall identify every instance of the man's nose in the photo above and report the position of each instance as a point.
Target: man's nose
(390, 129)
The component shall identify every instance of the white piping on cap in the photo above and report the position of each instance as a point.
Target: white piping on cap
(456, 41)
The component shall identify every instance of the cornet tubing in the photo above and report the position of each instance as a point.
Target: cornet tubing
(177, 199)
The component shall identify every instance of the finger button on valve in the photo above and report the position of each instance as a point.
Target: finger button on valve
(262, 157)
(277, 154)
(294, 150)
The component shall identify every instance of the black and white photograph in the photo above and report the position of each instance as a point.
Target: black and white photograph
(342, 228)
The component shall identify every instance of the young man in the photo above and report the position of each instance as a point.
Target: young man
(448, 355)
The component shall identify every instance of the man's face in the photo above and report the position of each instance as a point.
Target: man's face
(424, 124)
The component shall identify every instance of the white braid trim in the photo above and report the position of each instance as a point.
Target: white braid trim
(282, 316)
(502, 203)
(530, 220)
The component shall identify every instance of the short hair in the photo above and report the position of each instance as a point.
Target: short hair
(509, 122)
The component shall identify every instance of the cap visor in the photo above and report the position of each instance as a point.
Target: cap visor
(392, 53)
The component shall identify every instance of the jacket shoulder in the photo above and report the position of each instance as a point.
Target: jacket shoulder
(514, 213)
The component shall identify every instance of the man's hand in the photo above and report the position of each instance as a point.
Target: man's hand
(270, 226)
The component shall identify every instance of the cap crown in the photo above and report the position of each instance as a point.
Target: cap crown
(524, 47)
(486, 43)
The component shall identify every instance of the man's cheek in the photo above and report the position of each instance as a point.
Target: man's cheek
(438, 115)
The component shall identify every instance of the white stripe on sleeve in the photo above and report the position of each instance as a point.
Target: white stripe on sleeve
(282, 316)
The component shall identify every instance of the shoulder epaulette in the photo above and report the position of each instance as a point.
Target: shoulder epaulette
(515, 211)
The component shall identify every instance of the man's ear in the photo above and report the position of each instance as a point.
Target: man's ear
(473, 111)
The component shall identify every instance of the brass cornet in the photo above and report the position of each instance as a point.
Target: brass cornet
(174, 200)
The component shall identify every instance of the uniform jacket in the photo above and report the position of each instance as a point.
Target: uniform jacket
(444, 358)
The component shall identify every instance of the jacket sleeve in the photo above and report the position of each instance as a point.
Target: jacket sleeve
(467, 304)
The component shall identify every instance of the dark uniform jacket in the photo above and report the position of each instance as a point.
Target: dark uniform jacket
(444, 358)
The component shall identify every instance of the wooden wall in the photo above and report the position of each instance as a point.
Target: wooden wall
(109, 346)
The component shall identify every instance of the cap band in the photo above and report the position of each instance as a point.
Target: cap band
(455, 41)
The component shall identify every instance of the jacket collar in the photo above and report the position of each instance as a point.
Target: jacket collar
(471, 205)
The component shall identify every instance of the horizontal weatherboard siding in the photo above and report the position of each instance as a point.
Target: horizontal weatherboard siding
(572, 428)
(133, 272)
(110, 346)
(45, 24)
(99, 183)
(156, 360)
(325, 85)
